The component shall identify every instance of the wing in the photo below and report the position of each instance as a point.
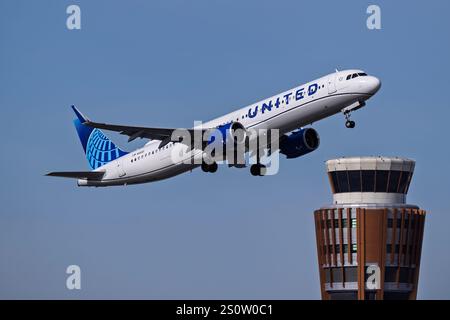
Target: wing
(133, 132)
(90, 175)
(163, 134)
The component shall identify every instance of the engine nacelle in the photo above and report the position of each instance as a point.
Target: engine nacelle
(233, 131)
(299, 143)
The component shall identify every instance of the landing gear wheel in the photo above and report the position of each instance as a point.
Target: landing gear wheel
(209, 167)
(258, 170)
(254, 170)
(350, 124)
(213, 167)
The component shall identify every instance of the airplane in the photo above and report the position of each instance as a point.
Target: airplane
(288, 112)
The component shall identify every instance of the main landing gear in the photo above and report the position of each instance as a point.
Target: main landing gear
(349, 123)
(259, 169)
(209, 167)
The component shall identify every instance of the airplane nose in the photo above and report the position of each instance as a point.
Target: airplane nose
(373, 84)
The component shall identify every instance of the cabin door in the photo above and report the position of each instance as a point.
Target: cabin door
(120, 169)
(332, 84)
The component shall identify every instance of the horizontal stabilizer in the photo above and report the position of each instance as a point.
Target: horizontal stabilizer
(90, 175)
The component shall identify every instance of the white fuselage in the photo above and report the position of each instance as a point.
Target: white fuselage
(286, 111)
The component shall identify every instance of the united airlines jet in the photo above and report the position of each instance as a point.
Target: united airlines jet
(287, 112)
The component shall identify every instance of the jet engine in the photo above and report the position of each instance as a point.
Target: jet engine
(233, 131)
(299, 143)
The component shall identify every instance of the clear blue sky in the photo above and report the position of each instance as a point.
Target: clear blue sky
(167, 63)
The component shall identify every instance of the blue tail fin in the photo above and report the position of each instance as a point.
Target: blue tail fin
(98, 148)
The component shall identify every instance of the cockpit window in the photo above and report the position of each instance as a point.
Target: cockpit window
(354, 75)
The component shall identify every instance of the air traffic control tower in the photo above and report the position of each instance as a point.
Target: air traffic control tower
(369, 240)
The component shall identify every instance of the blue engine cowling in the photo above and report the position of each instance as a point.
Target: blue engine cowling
(227, 132)
(299, 143)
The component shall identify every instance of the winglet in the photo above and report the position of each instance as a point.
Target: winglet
(80, 116)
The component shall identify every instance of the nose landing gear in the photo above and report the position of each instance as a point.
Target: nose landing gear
(347, 110)
(349, 123)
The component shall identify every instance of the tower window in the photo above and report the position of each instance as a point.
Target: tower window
(381, 180)
(354, 177)
(368, 180)
(394, 179)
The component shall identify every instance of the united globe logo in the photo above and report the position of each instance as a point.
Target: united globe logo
(100, 150)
